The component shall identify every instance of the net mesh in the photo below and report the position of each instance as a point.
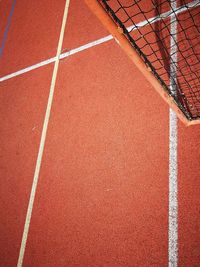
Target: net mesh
(166, 35)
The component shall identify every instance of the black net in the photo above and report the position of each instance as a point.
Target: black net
(166, 35)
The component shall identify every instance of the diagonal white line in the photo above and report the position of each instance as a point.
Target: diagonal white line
(87, 46)
(97, 42)
(27, 69)
(42, 140)
(53, 59)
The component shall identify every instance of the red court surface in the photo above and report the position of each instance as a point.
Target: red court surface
(4, 14)
(33, 34)
(82, 26)
(92, 171)
(189, 192)
(103, 191)
(23, 103)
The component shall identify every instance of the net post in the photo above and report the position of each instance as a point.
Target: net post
(120, 38)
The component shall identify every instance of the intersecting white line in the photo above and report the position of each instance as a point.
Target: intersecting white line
(99, 41)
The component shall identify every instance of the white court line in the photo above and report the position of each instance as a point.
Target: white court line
(97, 42)
(53, 59)
(173, 192)
(42, 140)
(173, 166)
(27, 69)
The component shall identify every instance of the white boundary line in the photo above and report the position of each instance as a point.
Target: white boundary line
(173, 166)
(42, 140)
(97, 42)
(173, 192)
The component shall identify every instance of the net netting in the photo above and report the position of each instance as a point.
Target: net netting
(166, 35)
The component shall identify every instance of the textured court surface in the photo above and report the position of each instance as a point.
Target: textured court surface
(102, 195)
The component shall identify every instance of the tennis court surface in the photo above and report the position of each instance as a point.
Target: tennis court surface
(95, 169)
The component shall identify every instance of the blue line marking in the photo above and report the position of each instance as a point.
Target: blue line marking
(7, 28)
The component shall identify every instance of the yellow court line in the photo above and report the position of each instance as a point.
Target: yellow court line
(42, 140)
